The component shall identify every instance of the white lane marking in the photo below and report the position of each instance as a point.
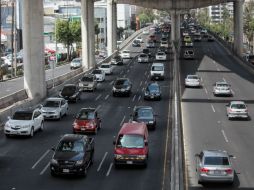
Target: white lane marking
(143, 89)
(111, 82)
(206, 90)
(40, 159)
(124, 76)
(141, 83)
(146, 82)
(212, 108)
(133, 99)
(121, 72)
(122, 120)
(232, 92)
(99, 167)
(145, 72)
(44, 169)
(98, 107)
(97, 97)
(106, 97)
(224, 135)
(139, 97)
(224, 79)
(128, 70)
(109, 169)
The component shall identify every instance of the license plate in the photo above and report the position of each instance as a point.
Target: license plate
(66, 170)
(157, 77)
(152, 96)
(129, 162)
(83, 129)
(217, 172)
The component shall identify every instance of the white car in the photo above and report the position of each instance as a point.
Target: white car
(100, 74)
(125, 54)
(157, 71)
(188, 44)
(143, 58)
(107, 68)
(164, 44)
(146, 32)
(222, 88)
(161, 56)
(237, 109)
(192, 81)
(24, 122)
(76, 63)
(55, 108)
(139, 38)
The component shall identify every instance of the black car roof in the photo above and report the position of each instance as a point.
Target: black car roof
(73, 137)
(88, 109)
(28, 110)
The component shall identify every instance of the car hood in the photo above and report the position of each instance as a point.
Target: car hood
(19, 122)
(48, 109)
(70, 156)
(145, 120)
(131, 151)
(120, 86)
(69, 93)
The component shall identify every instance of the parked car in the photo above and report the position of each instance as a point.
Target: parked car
(88, 82)
(99, 74)
(197, 37)
(107, 68)
(87, 121)
(24, 122)
(55, 108)
(70, 92)
(214, 166)
(237, 109)
(144, 114)
(161, 56)
(146, 32)
(222, 88)
(117, 60)
(76, 63)
(163, 49)
(192, 81)
(189, 54)
(152, 91)
(73, 155)
(143, 58)
(157, 71)
(122, 86)
(131, 145)
(126, 54)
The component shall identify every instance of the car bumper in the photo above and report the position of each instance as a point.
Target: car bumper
(25, 132)
(120, 92)
(226, 93)
(84, 130)
(238, 115)
(66, 170)
(157, 77)
(50, 116)
(130, 161)
(192, 84)
(86, 88)
(152, 97)
(161, 58)
(206, 178)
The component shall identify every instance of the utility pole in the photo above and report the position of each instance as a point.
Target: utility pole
(0, 31)
(12, 37)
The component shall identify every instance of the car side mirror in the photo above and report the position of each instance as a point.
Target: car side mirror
(146, 143)
(53, 148)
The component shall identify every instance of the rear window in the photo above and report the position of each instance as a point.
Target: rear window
(105, 66)
(96, 71)
(70, 146)
(238, 106)
(121, 82)
(85, 115)
(52, 103)
(157, 68)
(216, 161)
(69, 89)
(130, 141)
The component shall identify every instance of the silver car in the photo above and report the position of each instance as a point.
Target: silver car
(214, 166)
(222, 88)
(192, 81)
(143, 58)
(237, 109)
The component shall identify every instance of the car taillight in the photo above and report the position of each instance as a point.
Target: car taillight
(204, 170)
(229, 171)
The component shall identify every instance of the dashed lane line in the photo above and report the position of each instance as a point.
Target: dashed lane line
(122, 120)
(133, 99)
(104, 157)
(212, 107)
(109, 169)
(98, 107)
(44, 169)
(98, 97)
(224, 135)
(139, 97)
(40, 159)
(106, 97)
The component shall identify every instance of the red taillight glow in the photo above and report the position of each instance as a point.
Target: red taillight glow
(204, 170)
(229, 171)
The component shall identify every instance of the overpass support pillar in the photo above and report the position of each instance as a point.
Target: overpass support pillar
(238, 27)
(33, 43)
(111, 26)
(87, 31)
(175, 26)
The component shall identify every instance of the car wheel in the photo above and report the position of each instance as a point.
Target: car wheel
(42, 126)
(53, 174)
(99, 126)
(32, 132)
(85, 172)
(60, 116)
(7, 135)
(96, 130)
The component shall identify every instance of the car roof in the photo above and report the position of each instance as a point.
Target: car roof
(54, 99)
(192, 76)
(87, 109)
(221, 82)
(143, 107)
(133, 128)
(237, 102)
(67, 85)
(105, 64)
(72, 137)
(122, 79)
(157, 64)
(27, 110)
(215, 153)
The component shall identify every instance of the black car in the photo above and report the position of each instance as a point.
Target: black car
(70, 92)
(136, 43)
(163, 49)
(210, 38)
(73, 155)
(146, 51)
(144, 114)
(122, 86)
(152, 92)
(117, 60)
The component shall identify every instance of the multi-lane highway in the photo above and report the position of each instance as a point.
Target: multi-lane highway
(24, 162)
(205, 124)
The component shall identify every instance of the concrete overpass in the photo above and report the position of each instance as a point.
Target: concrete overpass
(34, 76)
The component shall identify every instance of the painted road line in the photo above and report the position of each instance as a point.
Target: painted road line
(139, 97)
(141, 83)
(98, 107)
(145, 72)
(109, 169)
(224, 135)
(111, 83)
(146, 82)
(106, 97)
(122, 120)
(44, 169)
(128, 70)
(40, 159)
(121, 72)
(124, 76)
(98, 97)
(212, 108)
(104, 157)
(224, 79)
(133, 99)
(206, 90)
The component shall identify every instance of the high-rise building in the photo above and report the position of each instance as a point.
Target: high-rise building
(216, 11)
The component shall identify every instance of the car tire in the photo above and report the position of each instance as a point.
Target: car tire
(32, 132)
(8, 135)
(85, 172)
(53, 174)
(60, 116)
(42, 126)
(96, 131)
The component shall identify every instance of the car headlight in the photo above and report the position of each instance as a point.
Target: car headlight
(7, 125)
(146, 93)
(150, 122)
(128, 88)
(79, 162)
(141, 156)
(54, 161)
(114, 89)
(25, 126)
(118, 156)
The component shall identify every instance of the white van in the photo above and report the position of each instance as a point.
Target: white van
(157, 71)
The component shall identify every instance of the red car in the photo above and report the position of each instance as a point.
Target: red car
(152, 38)
(87, 121)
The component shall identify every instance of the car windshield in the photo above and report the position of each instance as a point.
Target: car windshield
(160, 53)
(68, 89)
(222, 85)
(52, 103)
(189, 52)
(238, 106)
(70, 146)
(85, 115)
(192, 77)
(144, 114)
(143, 55)
(105, 66)
(153, 88)
(145, 50)
(22, 116)
(216, 160)
(88, 79)
(97, 71)
(130, 141)
(157, 68)
(76, 60)
(126, 52)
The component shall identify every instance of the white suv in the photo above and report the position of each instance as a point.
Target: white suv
(157, 71)
(125, 54)
(24, 122)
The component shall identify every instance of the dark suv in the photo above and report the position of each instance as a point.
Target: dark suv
(73, 155)
(70, 92)
(122, 86)
(117, 60)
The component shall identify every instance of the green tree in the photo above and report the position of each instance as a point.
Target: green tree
(203, 18)
(146, 16)
(227, 23)
(249, 23)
